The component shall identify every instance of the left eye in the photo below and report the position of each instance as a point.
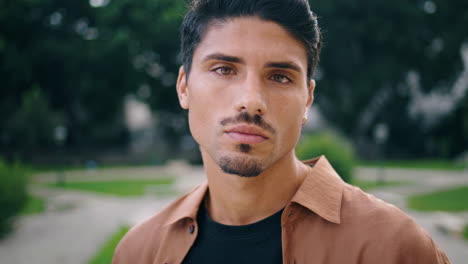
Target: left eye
(280, 78)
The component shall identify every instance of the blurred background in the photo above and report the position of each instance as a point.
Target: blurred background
(92, 138)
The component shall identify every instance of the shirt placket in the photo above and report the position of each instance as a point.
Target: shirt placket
(288, 222)
(180, 239)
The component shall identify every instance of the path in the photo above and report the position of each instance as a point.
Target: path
(74, 229)
(76, 224)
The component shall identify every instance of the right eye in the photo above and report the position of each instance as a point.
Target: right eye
(223, 70)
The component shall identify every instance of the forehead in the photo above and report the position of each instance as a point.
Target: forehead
(253, 39)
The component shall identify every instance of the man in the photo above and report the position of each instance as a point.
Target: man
(247, 84)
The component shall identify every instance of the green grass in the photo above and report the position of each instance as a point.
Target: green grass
(366, 185)
(104, 255)
(416, 164)
(465, 233)
(34, 205)
(45, 168)
(118, 187)
(451, 200)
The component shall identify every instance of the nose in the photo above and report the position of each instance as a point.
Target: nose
(251, 97)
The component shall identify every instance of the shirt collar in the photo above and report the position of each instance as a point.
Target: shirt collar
(321, 192)
(187, 205)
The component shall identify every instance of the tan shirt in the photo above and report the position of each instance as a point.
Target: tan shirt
(327, 222)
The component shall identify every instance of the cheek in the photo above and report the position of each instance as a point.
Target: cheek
(202, 116)
(291, 109)
(290, 114)
(197, 115)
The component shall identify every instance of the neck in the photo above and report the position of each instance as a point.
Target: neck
(235, 200)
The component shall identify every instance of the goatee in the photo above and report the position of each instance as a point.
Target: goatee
(240, 166)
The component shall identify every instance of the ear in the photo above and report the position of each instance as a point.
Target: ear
(310, 99)
(182, 90)
(310, 95)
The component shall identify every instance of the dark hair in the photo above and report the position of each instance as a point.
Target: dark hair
(293, 15)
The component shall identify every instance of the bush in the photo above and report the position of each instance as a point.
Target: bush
(336, 149)
(12, 194)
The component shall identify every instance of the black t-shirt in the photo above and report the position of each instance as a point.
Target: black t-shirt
(216, 243)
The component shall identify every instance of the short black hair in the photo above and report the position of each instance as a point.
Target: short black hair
(293, 15)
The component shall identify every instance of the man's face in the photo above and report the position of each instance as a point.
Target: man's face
(247, 94)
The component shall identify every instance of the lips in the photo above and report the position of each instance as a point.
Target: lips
(246, 134)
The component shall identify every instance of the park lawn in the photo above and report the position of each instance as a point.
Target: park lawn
(416, 164)
(34, 205)
(34, 168)
(451, 200)
(117, 187)
(366, 185)
(104, 255)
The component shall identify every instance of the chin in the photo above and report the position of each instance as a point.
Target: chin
(241, 165)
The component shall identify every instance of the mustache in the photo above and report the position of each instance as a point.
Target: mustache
(245, 117)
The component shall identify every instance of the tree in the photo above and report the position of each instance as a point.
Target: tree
(381, 61)
(376, 55)
(86, 57)
(31, 127)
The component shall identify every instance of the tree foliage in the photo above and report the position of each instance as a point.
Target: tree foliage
(82, 58)
(85, 60)
(375, 53)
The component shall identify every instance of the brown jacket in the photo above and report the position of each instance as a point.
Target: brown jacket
(326, 222)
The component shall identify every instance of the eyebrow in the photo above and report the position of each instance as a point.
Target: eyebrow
(224, 57)
(284, 65)
(228, 58)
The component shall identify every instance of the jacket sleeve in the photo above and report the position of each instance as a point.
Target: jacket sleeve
(134, 248)
(417, 247)
(120, 254)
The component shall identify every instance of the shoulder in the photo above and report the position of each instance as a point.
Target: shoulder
(358, 205)
(387, 229)
(141, 242)
(362, 210)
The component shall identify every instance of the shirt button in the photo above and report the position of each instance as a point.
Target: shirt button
(191, 229)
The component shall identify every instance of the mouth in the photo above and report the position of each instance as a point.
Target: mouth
(245, 134)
